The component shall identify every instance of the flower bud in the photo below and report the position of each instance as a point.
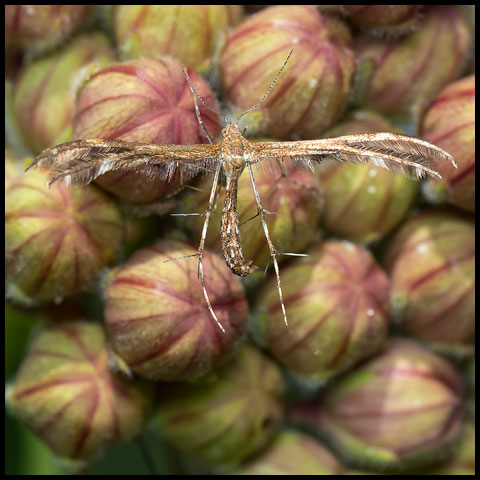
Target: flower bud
(395, 76)
(311, 93)
(229, 418)
(337, 309)
(401, 409)
(38, 27)
(44, 94)
(147, 101)
(295, 198)
(57, 240)
(431, 262)
(157, 316)
(65, 392)
(189, 33)
(293, 453)
(450, 124)
(364, 203)
(385, 20)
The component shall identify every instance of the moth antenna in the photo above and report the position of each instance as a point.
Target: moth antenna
(268, 91)
(273, 250)
(192, 89)
(200, 121)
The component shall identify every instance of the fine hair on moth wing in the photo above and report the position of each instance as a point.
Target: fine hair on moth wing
(81, 161)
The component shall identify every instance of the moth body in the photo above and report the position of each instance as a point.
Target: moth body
(236, 152)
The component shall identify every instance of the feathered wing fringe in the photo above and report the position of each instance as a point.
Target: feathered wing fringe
(81, 161)
(409, 156)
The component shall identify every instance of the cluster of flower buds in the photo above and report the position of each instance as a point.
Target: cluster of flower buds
(350, 349)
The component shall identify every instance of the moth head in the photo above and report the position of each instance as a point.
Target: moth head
(231, 129)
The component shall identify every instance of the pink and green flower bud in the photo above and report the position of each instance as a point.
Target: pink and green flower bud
(337, 307)
(44, 93)
(450, 124)
(364, 203)
(401, 75)
(58, 240)
(431, 264)
(385, 20)
(147, 101)
(295, 198)
(401, 409)
(463, 460)
(157, 317)
(223, 421)
(40, 27)
(189, 33)
(311, 93)
(68, 396)
(293, 453)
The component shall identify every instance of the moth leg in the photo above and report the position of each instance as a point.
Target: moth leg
(257, 214)
(201, 247)
(273, 251)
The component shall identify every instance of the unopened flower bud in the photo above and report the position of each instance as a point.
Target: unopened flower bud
(189, 33)
(44, 94)
(40, 27)
(337, 307)
(157, 316)
(227, 419)
(58, 240)
(312, 91)
(401, 409)
(147, 101)
(364, 203)
(450, 124)
(399, 75)
(66, 393)
(293, 453)
(431, 263)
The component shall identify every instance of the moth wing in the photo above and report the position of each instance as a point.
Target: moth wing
(409, 156)
(81, 161)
